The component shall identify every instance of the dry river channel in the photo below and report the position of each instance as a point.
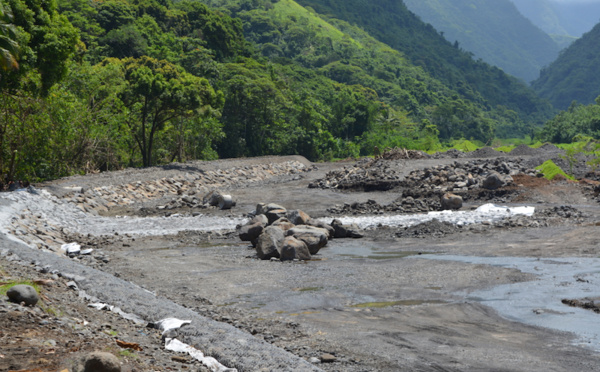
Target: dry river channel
(485, 297)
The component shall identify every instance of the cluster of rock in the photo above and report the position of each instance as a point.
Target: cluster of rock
(186, 186)
(277, 233)
(403, 154)
(366, 174)
(465, 176)
(192, 199)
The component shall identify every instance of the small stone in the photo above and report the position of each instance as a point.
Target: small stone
(328, 358)
(314, 360)
(23, 293)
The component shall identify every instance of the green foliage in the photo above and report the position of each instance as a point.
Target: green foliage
(157, 93)
(5, 287)
(9, 49)
(47, 40)
(464, 145)
(551, 170)
(578, 120)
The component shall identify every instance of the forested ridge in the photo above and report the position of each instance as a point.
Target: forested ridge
(102, 85)
(494, 31)
(575, 75)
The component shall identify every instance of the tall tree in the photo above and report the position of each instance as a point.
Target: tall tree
(158, 92)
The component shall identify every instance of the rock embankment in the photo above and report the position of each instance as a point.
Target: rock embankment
(188, 189)
(185, 188)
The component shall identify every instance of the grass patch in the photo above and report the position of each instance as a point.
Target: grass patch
(550, 170)
(464, 146)
(5, 286)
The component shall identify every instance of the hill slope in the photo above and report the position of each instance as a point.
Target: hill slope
(494, 31)
(392, 23)
(563, 20)
(575, 75)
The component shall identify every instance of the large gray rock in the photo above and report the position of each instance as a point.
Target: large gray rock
(262, 208)
(294, 249)
(249, 233)
(23, 293)
(322, 225)
(315, 238)
(98, 361)
(346, 231)
(283, 223)
(451, 201)
(269, 243)
(298, 217)
(212, 198)
(260, 218)
(493, 181)
(275, 214)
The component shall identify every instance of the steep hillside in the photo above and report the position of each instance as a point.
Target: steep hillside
(392, 23)
(494, 31)
(575, 75)
(563, 20)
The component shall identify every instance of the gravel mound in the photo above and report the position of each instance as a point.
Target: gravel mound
(434, 228)
(523, 150)
(485, 152)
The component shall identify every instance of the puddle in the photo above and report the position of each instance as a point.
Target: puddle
(485, 213)
(538, 302)
(362, 249)
(379, 305)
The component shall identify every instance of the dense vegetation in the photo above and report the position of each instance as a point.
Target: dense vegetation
(494, 31)
(570, 125)
(575, 75)
(107, 84)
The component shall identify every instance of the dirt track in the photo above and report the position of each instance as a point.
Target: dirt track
(380, 303)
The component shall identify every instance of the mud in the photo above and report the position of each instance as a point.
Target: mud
(381, 303)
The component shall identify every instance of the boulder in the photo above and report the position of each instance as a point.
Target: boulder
(346, 231)
(275, 214)
(322, 225)
(451, 201)
(493, 181)
(269, 243)
(98, 361)
(249, 233)
(315, 238)
(294, 249)
(261, 218)
(23, 293)
(283, 223)
(262, 208)
(212, 198)
(298, 217)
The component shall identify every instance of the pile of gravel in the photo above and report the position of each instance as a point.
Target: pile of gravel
(434, 228)
(485, 152)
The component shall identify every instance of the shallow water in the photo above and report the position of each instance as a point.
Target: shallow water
(538, 302)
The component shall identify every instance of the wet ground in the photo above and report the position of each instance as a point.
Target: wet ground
(484, 297)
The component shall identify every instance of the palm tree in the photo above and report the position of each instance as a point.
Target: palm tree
(9, 48)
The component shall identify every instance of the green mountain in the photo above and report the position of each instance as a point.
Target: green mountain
(494, 31)
(575, 75)
(108, 84)
(565, 21)
(392, 23)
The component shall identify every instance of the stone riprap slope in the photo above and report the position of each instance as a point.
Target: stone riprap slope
(75, 209)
